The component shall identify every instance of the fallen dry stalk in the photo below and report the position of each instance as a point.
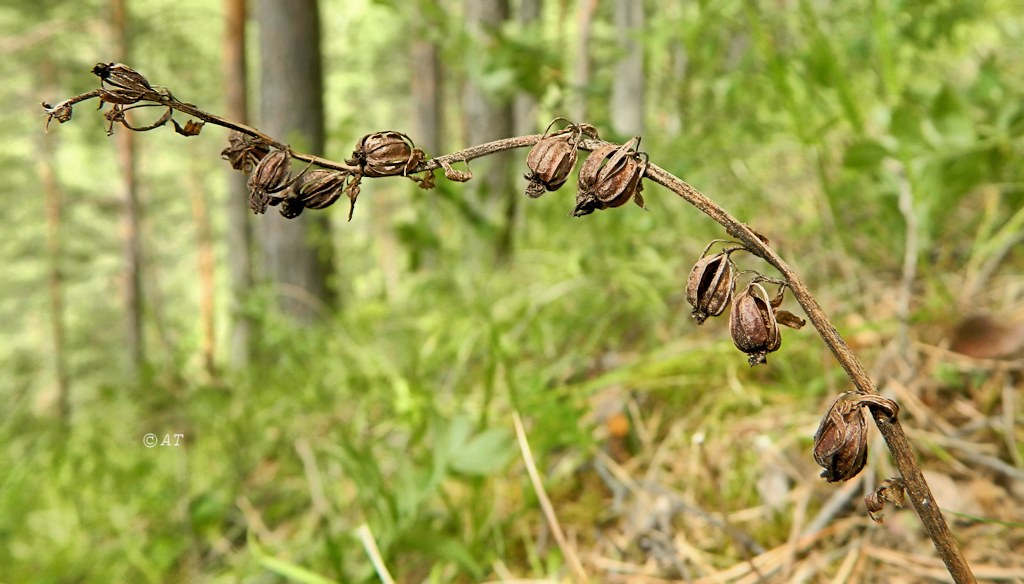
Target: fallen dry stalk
(125, 89)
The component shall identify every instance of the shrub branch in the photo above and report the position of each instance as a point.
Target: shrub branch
(125, 89)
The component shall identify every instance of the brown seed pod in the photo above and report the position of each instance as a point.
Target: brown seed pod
(611, 176)
(710, 286)
(752, 324)
(841, 444)
(386, 153)
(272, 175)
(244, 152)
(121, 76)
(320, 188)
(291, 207)
(552, 159)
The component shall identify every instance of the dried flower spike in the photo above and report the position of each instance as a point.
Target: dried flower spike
(710, 285)
(752, 324)
(386, 153)
(611, 176)
(552, 159)
(272, 175)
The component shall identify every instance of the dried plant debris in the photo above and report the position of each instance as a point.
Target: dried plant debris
(840, 444)
(890, 491)
(611, 176)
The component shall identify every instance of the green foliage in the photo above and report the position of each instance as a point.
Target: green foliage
(804, 120)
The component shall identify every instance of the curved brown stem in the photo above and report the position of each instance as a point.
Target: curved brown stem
(890, 428)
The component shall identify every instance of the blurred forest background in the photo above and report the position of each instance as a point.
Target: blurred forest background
(328, 375)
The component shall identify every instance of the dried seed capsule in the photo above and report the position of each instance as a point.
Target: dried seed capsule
(291, 207)
(272, 175)
(710, 285)
(387, 153)
(320, 188)
(611, 176)
(551, 160)
(752, 324)
(122, 76)
(244, 152)
(841, 444)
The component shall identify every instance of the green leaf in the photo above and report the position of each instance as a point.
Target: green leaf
(290, 570)
(864, 155)
(483, 454)
(951, 116)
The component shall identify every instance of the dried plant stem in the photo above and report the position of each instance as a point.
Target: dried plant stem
(370, 546)
(903, 454)
(579, 574)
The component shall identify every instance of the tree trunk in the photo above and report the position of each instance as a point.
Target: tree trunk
(297, 253)
(131, 209)
(627, 104)
(526, 104)
(205, 270)
(52, 201)
(581, 72)
(239, 228)
(490, 117)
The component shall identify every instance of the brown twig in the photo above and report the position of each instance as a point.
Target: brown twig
(890, 428)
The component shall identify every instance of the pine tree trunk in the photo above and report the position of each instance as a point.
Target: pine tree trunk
(627, 104)
(52, 202)
(239, 228)
(296, 252)
(490, 117)
(131, 219)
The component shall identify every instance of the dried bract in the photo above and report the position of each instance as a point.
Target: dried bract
(890, 491)
(710, 286)
(244, 152)
(611, 176)
(752, 324)
(60, 112)
(387, 153)
(272, 175)
(841, 442)
(552, 159)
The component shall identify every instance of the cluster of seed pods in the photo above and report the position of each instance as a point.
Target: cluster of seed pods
(755, 316)
(611, 175)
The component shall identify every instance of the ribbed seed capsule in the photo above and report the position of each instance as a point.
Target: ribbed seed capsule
(710, 286)
(752, 324)
(270, 176)
(840, 444)
(320, 188)
(610, 176)
(386, 153)
(243, 152)
(551, 160)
